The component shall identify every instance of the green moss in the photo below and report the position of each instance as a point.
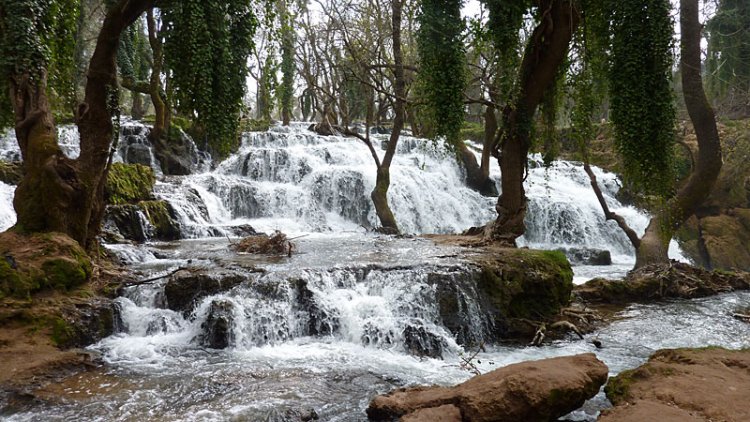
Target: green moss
(11, 281)
(254, 125)
(525, 283)
(64, 273)
(472, 131)
(62, 332)
(129, 183)
(618, 388)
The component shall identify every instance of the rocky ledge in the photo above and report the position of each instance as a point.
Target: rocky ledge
(682, 385)
(530, 391)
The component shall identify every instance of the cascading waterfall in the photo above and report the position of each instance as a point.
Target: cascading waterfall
(345, 316)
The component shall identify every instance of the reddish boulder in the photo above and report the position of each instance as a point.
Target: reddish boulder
(530, 391)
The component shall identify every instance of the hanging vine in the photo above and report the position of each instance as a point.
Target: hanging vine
(207, 44)
(640, 72)
(442, 66)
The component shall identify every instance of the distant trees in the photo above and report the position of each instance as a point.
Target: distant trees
(728, 58)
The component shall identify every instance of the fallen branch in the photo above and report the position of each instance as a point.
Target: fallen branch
(152, 279)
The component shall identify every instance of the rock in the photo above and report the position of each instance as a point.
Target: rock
(319, 322)
(586, 256)
(11, 172)
(41, 261)
(656, 282)
(185, 288)
(523, 284)
(217, 328)
(129, 183)
(683, 385)
(726, 239)
(127, 221)
(163, 220)
(530, 391)
(420, 342)
(143, 221)
(84, 322)
(444, 413)
(178, 155)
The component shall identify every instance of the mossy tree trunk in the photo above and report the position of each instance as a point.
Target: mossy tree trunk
(58, 193)
(654, 244)
(379, 195)
(545, 52)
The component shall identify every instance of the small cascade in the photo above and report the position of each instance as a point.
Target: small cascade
(404, 310)
(7, 213)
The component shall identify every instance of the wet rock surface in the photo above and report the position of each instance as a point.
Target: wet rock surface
(585, 256)
(217, 328)
(531, 391)
(186, 287)
(683, 385)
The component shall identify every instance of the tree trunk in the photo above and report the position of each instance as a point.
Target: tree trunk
(655, 242)
(57, 193)
(154, 87)
(547, 48)
(490, 132)
(137, 111)
(379, 195)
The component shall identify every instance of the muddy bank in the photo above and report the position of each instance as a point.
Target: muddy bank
(54, 300)
(683, 385)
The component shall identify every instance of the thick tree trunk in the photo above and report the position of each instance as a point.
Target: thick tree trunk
(547, 48)
(655, 242)
(57, 193)
(379, 195)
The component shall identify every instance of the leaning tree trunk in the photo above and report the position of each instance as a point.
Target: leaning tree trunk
(547, 48)
(379, 195)
(58, 193)
(654, 244)
(161, 109)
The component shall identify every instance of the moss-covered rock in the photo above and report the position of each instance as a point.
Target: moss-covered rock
(11, 172)
(129, 183)
(42, 261)
(524, 284)
(727, 240)
(143, 221)
(162, 218)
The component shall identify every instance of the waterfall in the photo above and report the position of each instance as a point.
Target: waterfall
(293, 180)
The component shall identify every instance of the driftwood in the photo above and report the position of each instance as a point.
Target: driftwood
(275, 244)
(152, 279)
(742, 317)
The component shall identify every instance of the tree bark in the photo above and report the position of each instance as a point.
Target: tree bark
(655, 242)
(379, 195)
(161, 108)
(58, 193)
(547, 48)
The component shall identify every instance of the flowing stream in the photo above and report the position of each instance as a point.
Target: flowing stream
(351, 313)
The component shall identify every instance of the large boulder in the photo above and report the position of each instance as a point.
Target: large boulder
(185, 288)
(677, 385)
(42, 261)
(518, 285)
(129, 183)
(540, 390)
